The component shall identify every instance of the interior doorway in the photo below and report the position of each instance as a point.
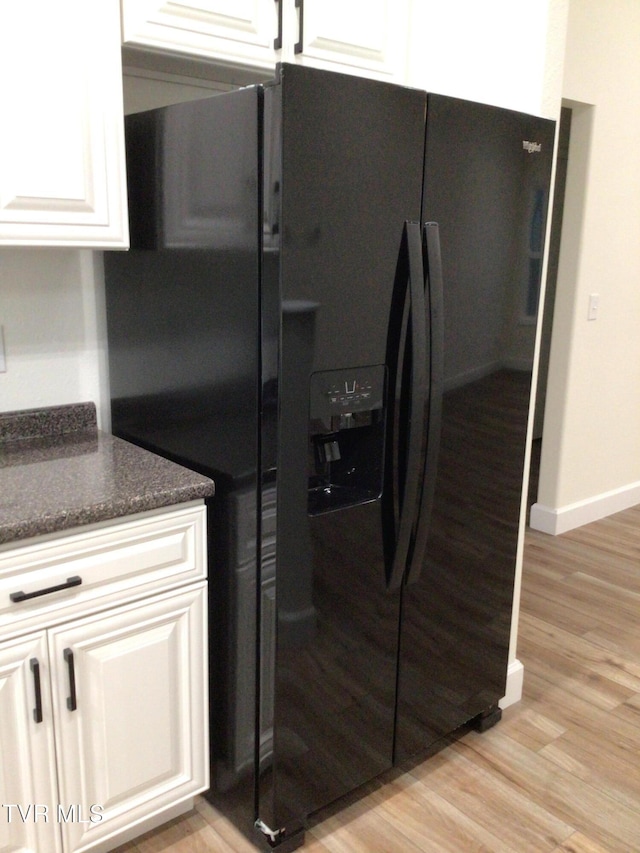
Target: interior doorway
(564, 136)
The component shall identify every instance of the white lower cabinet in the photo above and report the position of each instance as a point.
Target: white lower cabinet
(127, 695)
(28, 784)
(121, 694)
(104, 717)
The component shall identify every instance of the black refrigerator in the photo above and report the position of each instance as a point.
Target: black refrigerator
(330, 307)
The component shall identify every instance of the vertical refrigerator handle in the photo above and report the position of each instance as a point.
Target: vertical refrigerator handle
(435, 309)
(414, 409)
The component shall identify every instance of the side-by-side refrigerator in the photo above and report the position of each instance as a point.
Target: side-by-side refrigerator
(330, 307)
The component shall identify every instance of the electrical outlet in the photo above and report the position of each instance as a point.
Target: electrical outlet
(594, 304)
(3, 359)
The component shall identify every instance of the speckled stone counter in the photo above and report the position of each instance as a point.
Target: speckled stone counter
(58, 471)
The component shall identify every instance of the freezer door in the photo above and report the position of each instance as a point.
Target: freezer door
(487, 185)
(349, 176)
(184, 350)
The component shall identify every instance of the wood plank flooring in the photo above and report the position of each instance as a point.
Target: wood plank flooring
(560, 772)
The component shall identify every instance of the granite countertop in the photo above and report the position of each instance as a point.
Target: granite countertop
(58, 471)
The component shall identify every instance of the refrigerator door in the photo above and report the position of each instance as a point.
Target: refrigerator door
(486, 185)
(350, 175)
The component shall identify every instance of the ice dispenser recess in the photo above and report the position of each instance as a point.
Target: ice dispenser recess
(346, 437)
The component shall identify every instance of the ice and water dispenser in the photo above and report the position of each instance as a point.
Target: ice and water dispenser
(346, 437)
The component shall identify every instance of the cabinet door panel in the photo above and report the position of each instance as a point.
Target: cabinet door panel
(28, 794)
(362, 36)
(240, 31)
(127, 749)
(62, 146)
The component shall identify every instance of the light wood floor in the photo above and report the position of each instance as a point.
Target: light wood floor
(560, 772)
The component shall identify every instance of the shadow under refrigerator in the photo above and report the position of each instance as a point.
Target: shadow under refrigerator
(330, 307)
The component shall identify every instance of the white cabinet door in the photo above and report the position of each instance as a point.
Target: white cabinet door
(28, 791)
(234, 31)
(365, 37)
(131, 713)
(62, 176)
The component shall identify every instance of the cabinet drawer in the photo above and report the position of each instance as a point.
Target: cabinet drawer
(56, 578)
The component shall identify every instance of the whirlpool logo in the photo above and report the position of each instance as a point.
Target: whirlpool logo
(532, 147)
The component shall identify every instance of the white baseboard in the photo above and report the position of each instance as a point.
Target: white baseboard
(515, 680)
(555, 521)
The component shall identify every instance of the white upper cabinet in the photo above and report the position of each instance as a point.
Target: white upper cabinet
(62, 179)
(234, 31)
(366, 37)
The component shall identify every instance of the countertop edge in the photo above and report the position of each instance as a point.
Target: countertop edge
(55, 483)
(73, 522)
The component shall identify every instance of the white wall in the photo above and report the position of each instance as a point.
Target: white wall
(590, 463)
(51, 308)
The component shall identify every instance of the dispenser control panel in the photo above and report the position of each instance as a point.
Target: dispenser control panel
(346, 437)
(346, 391)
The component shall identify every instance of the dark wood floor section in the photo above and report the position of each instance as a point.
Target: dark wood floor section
(559, 773)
